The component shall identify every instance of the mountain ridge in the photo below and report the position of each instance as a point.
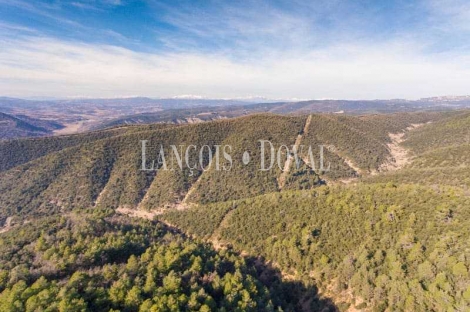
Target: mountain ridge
(113, 157)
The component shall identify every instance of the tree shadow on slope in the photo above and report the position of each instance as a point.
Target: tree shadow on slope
(291, 295)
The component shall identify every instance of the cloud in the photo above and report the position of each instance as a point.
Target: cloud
(8, 27)
(45, 10)
(305, 49)
(113, 2)
(96, 5)
(450, 15)
(42, 66)
(251, 28)
(85, 6)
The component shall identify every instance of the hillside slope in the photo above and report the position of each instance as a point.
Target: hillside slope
(97, 261)
(440, 154)
(381, 247)
(21, 126)
(399, 246)
(103, 168)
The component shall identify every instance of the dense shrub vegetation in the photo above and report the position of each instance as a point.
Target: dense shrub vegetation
(100, 262)
(388, 241)
(247, 180)
(17, 152)
(362, 140)
(441, 154)
(104, 166)
(398, 247)
(450, 131)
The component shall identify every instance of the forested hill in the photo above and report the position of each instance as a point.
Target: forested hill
(398, 240)
(102, 168)
(97, 261)
(386, 229)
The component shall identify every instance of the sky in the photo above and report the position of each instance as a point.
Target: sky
(235, 49)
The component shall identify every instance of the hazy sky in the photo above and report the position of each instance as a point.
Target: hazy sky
(228, 49)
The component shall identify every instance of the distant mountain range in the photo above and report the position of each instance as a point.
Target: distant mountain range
(128, 105)
(355, 107)
(79, 115)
